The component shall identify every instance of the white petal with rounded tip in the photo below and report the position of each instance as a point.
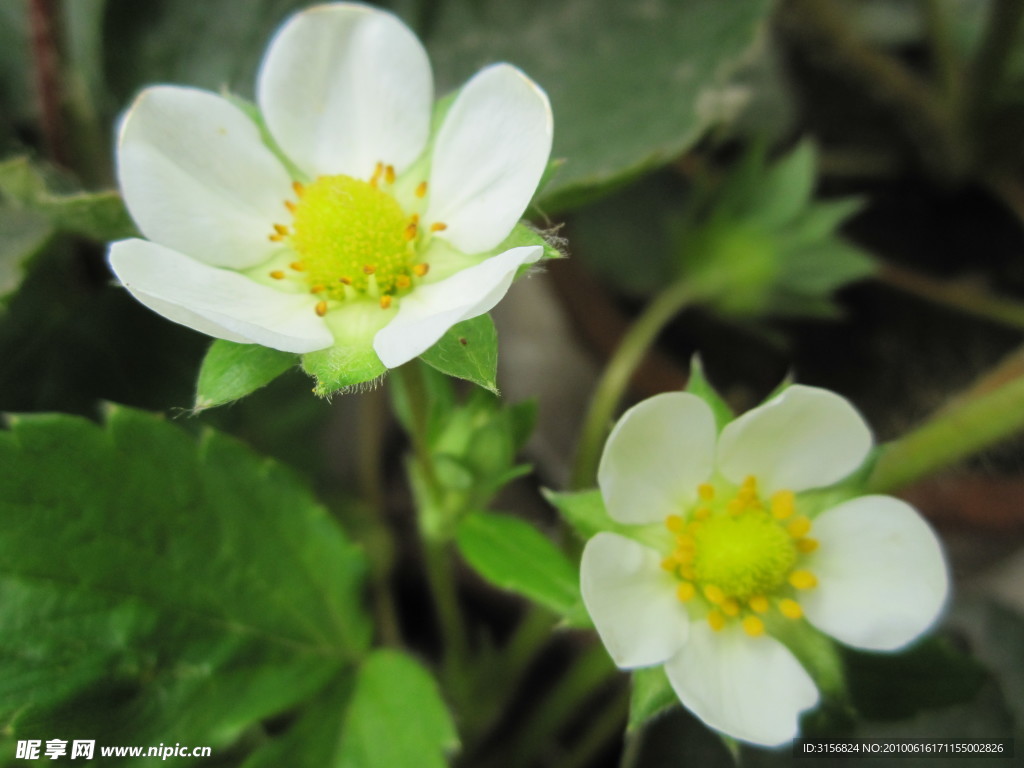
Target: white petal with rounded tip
(655, 458)
(632, 601)
(430, 310)
(217, 302)
(345, 86)
(489, 157)
(750, 688)
(882, 579)
(196, 177)
(804, 438)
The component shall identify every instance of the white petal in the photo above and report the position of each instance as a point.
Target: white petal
(217, 302)
(804, 438)
(197, 178)
(489, 157)
(345, 86)
(632, 601)
(655, 458)
(750, 688)
(430, 310)
(882, 579)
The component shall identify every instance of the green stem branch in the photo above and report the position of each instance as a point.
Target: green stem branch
(613, 382)
(990, 411)
(961, 296)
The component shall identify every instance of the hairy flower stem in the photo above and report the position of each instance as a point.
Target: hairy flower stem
(990, 411)
(434, 534)
(615, 378)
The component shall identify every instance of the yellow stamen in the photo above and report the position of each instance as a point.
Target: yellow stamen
(799, 527)
(297, 266)
(298, 188)
(321, 308)
(731, 608)
(670, 563)
(706, 491)
(803, 579)
(385, 301)
(402, 282)
(389, 174)
(807, 545)
(345, 280)
(790, 608)
(281, 229)
(685, 591)
(369, 269)
(275, 238)
(753, 626)
(714, 594)
(277, 274)
(716, 620)
(318, 289)
(375, 179)
(675, 523)
(289, 205)
(783, 504)
(702, 513)
(758, 603)
(420, 269)
(410, 232)
(421, 189)
(438, 226)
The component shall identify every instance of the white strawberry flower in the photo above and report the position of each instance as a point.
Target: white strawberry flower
(348, 225)
(742, 552)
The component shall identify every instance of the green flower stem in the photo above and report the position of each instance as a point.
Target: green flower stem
(991, 411)
(434, 537)
(608, 724)
(371, 417)
(613, 382)
(969, 299)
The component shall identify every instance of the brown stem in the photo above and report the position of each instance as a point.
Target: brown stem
(45, 41)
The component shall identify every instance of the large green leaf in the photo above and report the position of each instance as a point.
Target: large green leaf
(156, 589)
(396, 717)
(512, 554)
(23, 234)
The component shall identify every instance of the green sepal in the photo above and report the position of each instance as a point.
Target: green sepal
(816, 652)
(468, 350)
(586, 513)
(396, 717)
(231, 371)
(650, 695)
(96, 215)
(523, 235)
(699, 385)
(513, 555)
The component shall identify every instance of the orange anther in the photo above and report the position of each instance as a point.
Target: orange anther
(321, 308)
(420, 269)
(385, 301)
(403, 281)
(299, 189)
(345, 280)
(297, 266)
(438, 226)
(277, 274)
(421, 189)
(369, 269)
(281, 229)
(389, 174)
(318, 289)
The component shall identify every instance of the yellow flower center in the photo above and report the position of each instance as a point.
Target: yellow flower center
(737, 557)
(352, 239)
(349, 232)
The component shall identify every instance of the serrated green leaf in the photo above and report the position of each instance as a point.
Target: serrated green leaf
(650, 695)
(468, 350)
(699, 385)
(396, 717)
(159, 590)
(512, 554)
(97, 215)
(231, 371)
